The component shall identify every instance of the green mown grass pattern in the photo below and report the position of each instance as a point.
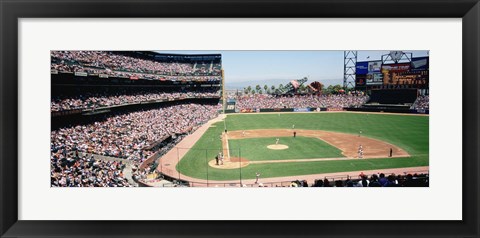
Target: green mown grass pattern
(298, 148)
(408, 132)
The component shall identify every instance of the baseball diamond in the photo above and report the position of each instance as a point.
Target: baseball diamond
(405, 134)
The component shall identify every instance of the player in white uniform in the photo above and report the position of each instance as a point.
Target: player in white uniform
(276, 142)
(257, 176)
(360, 152)
(220, 156)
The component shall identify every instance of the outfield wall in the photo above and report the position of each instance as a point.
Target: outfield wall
(387, 110)
(379, 108)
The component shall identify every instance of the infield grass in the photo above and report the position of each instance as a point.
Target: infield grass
(408, 132)
(298, 148)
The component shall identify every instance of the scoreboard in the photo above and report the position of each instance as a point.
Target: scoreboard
(415, 72)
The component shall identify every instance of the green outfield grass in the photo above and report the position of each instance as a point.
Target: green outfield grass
(298, 148)
(407, 132)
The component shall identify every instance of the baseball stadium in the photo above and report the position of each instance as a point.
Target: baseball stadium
(152, 119)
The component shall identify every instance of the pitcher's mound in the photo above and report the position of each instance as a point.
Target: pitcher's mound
(278, 147)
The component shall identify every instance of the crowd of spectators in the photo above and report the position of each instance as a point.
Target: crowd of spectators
(378, 180)
(72, 68)
(127, 135)
(374, 180)
(96, 100)
(300, 101)
(422, 103)
(72, 170)
(117, 65)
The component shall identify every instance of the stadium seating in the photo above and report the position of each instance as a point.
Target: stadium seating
(378, 180)
(126, 106)
(311, 101)
(121, 64)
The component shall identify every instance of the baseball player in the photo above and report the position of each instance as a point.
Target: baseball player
(243, 133)
(360, 152)
(257, 175)
(220, 157)
(276, 142)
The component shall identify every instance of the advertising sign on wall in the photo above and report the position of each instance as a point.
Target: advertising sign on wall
(387, 68)
(360, 79)
(334, 109)
(361, 68)
(301, 109)
(247, 110)
(375, 79)
(82, 74)
(374, 66)
(230, 106)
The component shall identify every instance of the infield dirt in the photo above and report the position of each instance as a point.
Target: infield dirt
(347, 143)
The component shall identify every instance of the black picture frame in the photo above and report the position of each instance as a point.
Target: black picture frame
(11, 11)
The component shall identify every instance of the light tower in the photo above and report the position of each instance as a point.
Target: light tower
(395, 57)
(349, 64)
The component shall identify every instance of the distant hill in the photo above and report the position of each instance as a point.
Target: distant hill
(276, 82)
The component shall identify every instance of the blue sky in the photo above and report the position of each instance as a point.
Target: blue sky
(246, 67)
